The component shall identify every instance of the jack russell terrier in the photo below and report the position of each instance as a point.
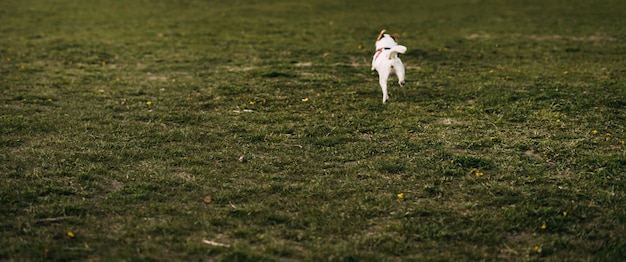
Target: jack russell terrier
(386, 60)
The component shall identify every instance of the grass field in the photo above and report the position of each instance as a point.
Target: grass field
(189, 130)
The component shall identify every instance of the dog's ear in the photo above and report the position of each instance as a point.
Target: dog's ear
(395, 36)
(381, 35)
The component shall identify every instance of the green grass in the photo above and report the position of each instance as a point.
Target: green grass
(118, 118)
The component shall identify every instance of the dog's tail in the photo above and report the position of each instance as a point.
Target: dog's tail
(397, 49)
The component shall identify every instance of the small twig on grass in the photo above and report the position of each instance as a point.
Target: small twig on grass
(53, 219)
(510, 249)
(213, 243)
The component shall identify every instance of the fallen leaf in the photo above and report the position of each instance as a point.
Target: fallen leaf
(208, 199)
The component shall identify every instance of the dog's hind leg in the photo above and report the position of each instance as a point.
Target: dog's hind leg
(382, 79)
(399, 69)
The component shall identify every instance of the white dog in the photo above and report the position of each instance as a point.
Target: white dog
(386, 60)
